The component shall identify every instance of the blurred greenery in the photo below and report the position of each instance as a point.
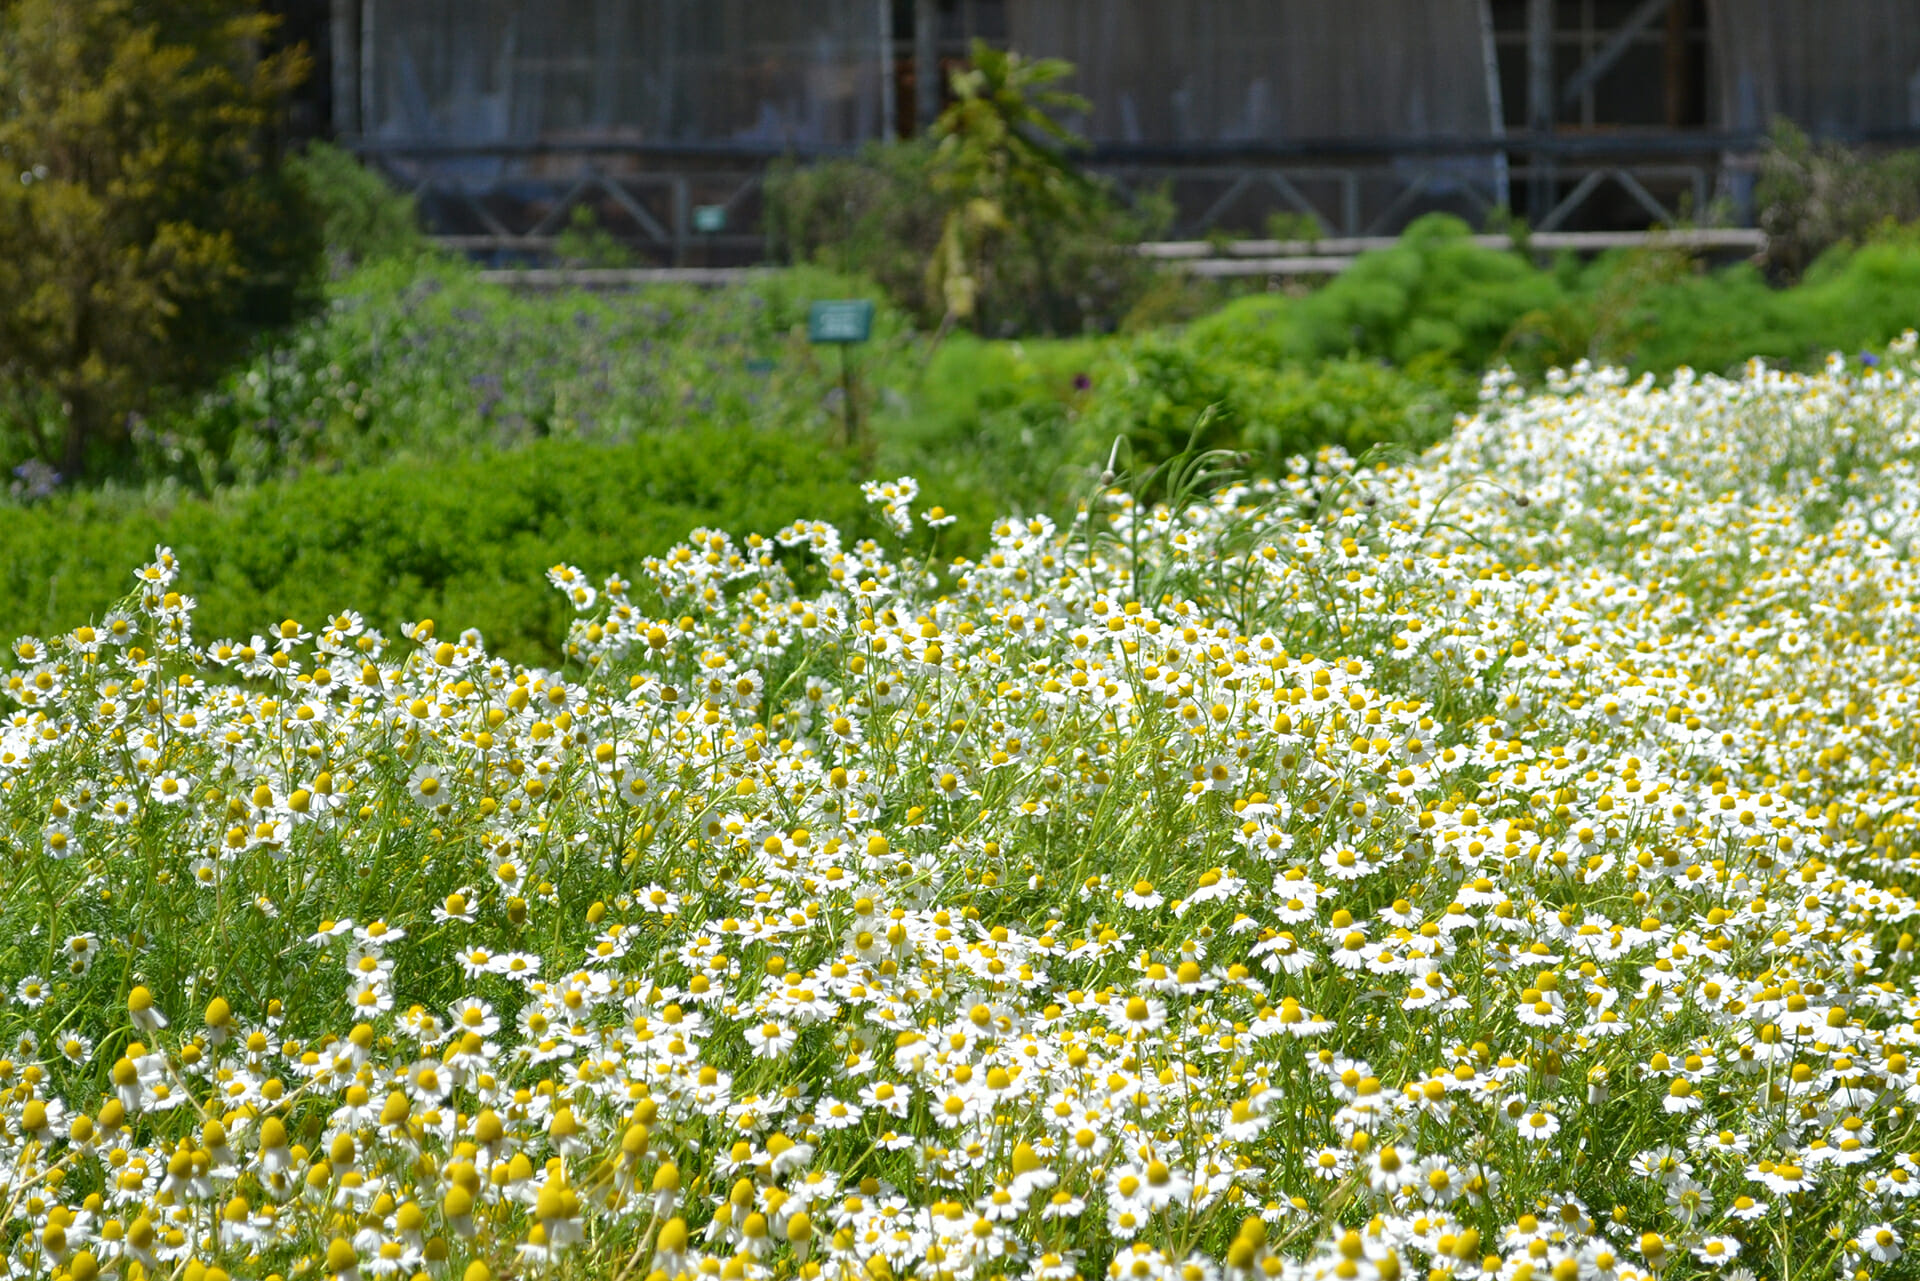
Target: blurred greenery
(429, 444)
(1814, 196)
(466, 542)
(363, 217)
(147, 227)
(882, 215)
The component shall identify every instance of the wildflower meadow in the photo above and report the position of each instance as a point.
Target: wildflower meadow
(1498, 863)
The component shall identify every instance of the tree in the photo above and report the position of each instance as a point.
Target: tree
(145, 224)
(1813, 196)
(1002, 163)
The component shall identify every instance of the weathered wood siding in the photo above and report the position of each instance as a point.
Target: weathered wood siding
(1178, 71)
(642, 71)
(1832, 66)
(1169, 72)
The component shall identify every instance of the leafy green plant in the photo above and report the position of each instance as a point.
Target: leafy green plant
(1002, 165)
(1813, 197)
(585, 243)
(1170, 398)
(465, 541)
(149, 229)
(987, 222)
(1433, 295)
(363, 218)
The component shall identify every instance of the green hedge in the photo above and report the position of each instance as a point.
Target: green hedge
(466, 543)
(1157, 393)
(1441, 308)
(478, 437)
(1850, 300)
(1434, 298)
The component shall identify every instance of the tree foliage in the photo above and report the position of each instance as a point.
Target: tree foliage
(362, 217)
(1814, 196)
(987, 221)
(1002, 164)
(145, 225)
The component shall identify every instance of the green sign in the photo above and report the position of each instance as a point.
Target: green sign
(708, 219)
(844, 320)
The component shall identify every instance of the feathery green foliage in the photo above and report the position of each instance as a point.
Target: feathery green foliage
(149, 230)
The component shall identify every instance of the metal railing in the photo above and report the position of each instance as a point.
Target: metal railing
(515, 199)
(1195, 257)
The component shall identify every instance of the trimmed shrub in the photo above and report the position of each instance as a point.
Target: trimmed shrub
(465, 543)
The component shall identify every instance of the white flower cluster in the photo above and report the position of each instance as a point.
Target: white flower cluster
(1497, 865)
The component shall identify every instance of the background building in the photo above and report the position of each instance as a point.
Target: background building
(1360, 114)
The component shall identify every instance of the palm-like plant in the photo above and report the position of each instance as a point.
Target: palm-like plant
(1003, 166)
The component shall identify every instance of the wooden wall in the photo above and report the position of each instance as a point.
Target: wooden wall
(1833, 66)
(1173, 71)
(1167, 72)
(644, 71)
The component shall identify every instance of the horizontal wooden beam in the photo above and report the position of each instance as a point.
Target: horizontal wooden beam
(1710, 238)
(1285, 265)
(618, 277)
(1195, 257)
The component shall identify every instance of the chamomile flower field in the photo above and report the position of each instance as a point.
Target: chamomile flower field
(1496, 864)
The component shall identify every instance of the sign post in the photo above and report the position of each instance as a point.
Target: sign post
(842, 323)
(708, 222)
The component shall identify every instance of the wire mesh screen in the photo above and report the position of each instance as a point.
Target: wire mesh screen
(646, 72)
(1838, 66)
(1267, 70)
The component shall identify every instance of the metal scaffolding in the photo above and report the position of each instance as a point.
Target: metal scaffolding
(505, 115)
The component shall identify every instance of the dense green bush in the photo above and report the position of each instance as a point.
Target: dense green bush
(465, 543)
(416, 359)
(1442, 309)
(879, 214)
(1813, 197)
(147, 228)
(363, 218)
(1384, 353)
(1168, 395)
(1654, 312)
(1434, 297)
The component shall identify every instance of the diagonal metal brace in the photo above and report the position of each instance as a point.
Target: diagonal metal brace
(1611, 52)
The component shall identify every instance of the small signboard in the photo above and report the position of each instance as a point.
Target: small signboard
(843, 320)
(709, 219)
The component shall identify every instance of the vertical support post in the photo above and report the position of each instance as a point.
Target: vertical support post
(682, 217)
(849, 416)
(1540, 106)
(1496, 107)
(1679, 99)
(343, 31)
(926, 64)
(368, 67)
(889, 107)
